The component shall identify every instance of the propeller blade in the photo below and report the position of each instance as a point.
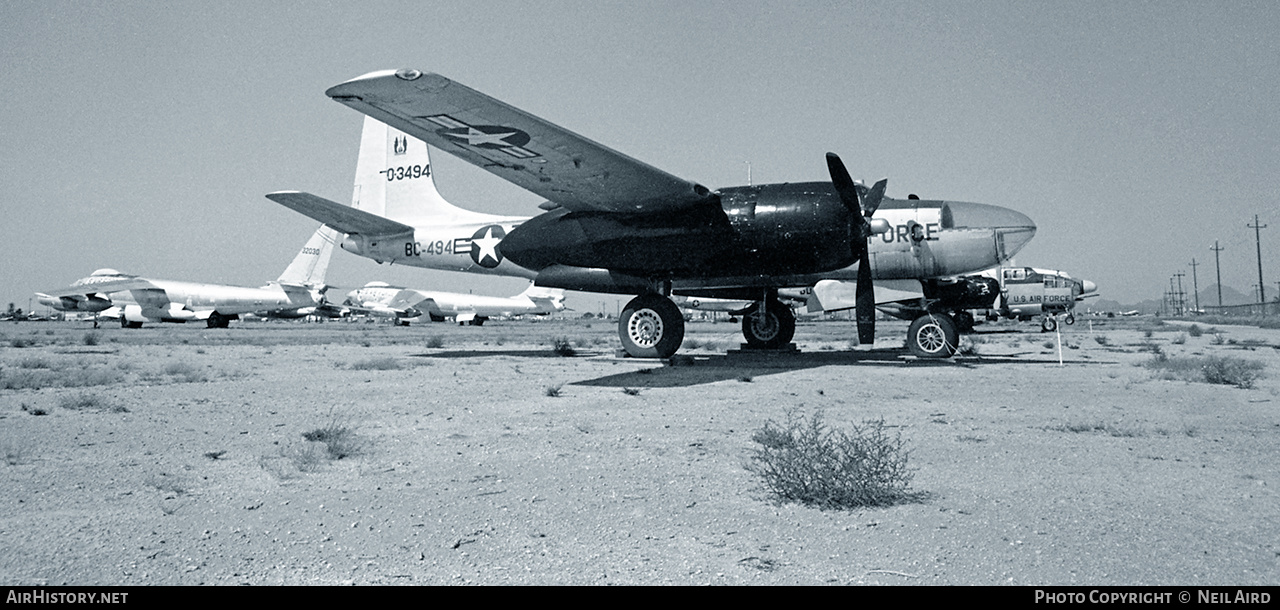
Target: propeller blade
(844, 185)
(871, 202)
(865, 301)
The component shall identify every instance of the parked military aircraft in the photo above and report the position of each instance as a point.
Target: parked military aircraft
(616, 225)
(298, 292)
(404, 304)
(1026, 292)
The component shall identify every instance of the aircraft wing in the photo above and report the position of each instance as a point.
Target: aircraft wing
(340, 217)
(532, 153)
(108, 287)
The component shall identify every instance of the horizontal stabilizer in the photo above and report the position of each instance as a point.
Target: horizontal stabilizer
(341, 217)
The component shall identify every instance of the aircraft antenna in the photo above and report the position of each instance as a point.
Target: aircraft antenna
(1218, 266)
(748, 173)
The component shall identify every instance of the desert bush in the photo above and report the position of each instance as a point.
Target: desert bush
(1105, 428)
(552, 390)
(631, 391)
(1222, 370)
(85, 401)
(387, 363)
(91, 338)
(561, 346)
(186, 372)
(803, 460)
(969, 347)
(1179, 339)
(1194, 330)
(1101, 339)
(690, 343)
(22, 342)
(435, 341)
(338, 437)
(1218, 339)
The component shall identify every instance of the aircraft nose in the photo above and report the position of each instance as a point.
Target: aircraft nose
(1014, 228)
(1088, 287)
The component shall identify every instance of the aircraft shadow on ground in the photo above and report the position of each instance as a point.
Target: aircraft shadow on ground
(690, 371)
(686, 370)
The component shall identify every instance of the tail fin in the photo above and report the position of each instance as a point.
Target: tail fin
(312, 262)
(394, 179)
(549, 300)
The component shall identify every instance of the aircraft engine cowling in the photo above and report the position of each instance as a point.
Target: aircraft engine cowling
(90, 303)
(972, 292)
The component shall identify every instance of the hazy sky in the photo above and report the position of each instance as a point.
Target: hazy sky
(142, 136)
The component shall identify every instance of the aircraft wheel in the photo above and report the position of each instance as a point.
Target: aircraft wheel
(1049, 324)
(215, 321)
(651, 326)
(125, 323)
(1071, 319)
(933, 336)
(772, 330)
(400, 322)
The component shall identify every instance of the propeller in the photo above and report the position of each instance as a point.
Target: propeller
(861, 208)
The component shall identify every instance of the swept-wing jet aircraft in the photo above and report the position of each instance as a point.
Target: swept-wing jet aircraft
(403, 304)
(134, 300)
(614, 224)
(1026, 292)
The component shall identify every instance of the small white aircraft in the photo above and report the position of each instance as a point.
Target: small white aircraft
(133, 300)
(1027, 292)
(404, 304)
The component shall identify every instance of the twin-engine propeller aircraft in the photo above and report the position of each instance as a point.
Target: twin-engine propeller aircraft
(1026, 292)
(405, 304)
(298, 292)
(616, 225)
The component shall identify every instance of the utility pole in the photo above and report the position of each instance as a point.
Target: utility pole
(1217, 265)
(1182, 296)
(1257, 237)
(1195, 283)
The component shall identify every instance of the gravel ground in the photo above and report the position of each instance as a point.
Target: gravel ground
(180, 458)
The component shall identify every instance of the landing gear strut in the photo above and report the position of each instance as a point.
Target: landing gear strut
(651, 326)
(1049, 324)
(769, 325)
(933, 336)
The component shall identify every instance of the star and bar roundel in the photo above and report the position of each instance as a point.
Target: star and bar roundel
(492, 137)
(484, 246)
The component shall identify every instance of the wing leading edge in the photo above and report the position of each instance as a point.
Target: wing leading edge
(530, 152)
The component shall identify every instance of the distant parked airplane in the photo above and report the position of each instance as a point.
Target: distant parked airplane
(133, 300)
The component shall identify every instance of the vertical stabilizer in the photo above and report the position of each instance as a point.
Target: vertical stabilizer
(394, 179)
(312, 262)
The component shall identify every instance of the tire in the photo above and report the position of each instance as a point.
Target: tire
(772, 331)
(651, 326)
(1071, 319)
(933, 336)
(1049, 324)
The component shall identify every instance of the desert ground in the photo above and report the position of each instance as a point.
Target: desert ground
(175, 455)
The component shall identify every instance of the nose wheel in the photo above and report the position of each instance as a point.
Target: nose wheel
(933, 336)
(651, 326)
(769, 325)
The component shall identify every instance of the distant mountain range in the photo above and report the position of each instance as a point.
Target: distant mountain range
(1208, 296)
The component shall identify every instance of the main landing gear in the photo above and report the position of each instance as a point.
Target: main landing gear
(769, 325)
(651, 326)
(217, 320)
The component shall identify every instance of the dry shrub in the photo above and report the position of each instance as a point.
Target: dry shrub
(1222, 370)
(562, 346)
(338, 437)
(387, 363)
(805, 461)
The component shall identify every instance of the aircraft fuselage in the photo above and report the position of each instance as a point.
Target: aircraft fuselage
(768, 235)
